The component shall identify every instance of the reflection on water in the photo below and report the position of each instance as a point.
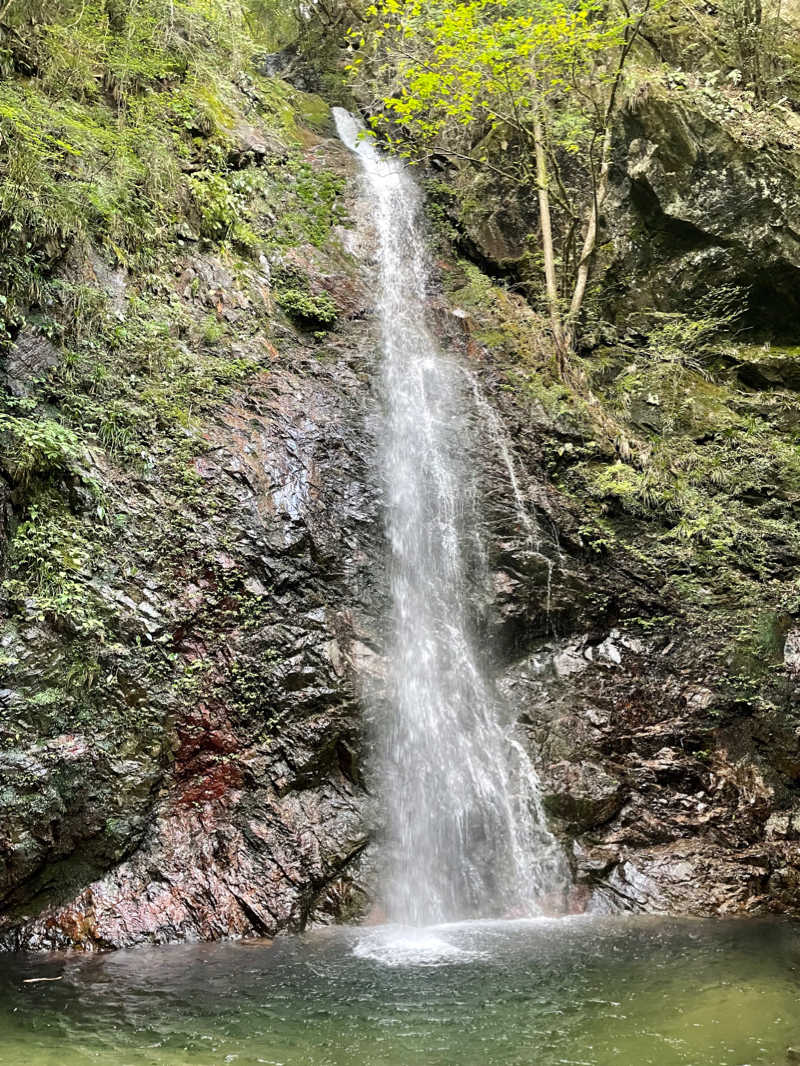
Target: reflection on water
(527, 993)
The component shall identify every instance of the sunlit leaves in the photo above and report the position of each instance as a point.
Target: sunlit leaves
(491, 62)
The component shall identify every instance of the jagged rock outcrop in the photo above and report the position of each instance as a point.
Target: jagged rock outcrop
(676, 800)
(248, 808)
(674, 782)
(702, 198)
(664, 717)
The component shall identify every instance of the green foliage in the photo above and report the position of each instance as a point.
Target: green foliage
(213, 330)
(491, 64)
(215, 202)
(50, 563)
(138, 388)
(289, 204)
(709, 493)
(524, 90)
(120, 143)
(311, 309)
(702, 493)
(684, 339)
(313, 32)
(276, 23)
(312, 208)
(91, 144)
(760, 45)
(33, 448)
(673, 373)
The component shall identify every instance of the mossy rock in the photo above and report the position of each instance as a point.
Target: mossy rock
(315, 114)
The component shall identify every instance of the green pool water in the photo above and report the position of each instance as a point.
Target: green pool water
(593, 991)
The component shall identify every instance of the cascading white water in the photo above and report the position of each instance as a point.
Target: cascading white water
(466, 834)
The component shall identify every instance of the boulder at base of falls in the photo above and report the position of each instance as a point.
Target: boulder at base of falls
(581, 795)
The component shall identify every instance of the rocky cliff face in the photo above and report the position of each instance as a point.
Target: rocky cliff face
(201, 777)
(182, 740)
(706, 196)
(669, 755)
(660, 689)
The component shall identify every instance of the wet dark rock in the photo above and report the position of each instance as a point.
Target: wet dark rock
(305, 72)
(216, 787)
(582, 794)
(692, 208)
(287, 64)
(695, 746)
(234, 859)
(28, 360)
(252, 144)
(769, 373)
(225, 796)
(73, 798)
(672, 804)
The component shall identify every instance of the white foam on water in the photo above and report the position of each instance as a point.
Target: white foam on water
(450, 943)
(410, 946)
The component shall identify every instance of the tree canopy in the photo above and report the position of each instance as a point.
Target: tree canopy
(540, 75)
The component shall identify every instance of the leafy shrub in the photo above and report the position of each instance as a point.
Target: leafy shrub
(308, 308)
(215, 202)
(213, 330)
(50, 561)
(91, 142)
(32, 448)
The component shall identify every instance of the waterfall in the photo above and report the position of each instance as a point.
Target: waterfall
(466, 835)
(527, 521)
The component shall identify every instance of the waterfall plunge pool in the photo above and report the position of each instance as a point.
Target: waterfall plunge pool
(599, 991)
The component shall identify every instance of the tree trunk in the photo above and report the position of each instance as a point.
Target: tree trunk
(590, 240)
(551, 284)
